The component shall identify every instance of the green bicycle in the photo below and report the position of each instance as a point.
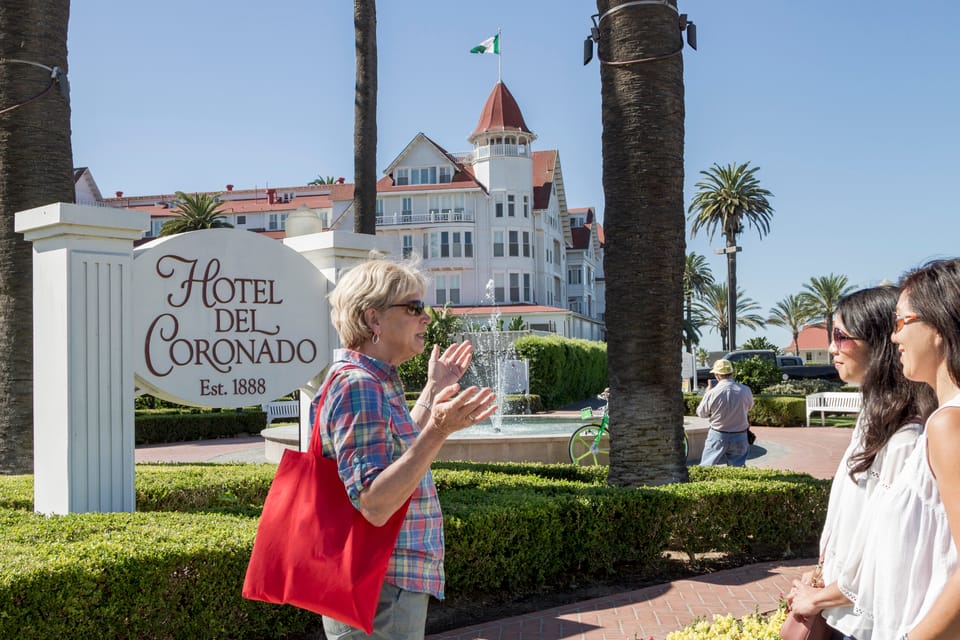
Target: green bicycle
(590, 443)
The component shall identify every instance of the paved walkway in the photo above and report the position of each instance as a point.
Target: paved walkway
(634, 615)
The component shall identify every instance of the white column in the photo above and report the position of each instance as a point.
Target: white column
(82, 365)
(331, 252)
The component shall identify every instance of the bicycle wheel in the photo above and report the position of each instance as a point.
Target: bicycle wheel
(588, 446)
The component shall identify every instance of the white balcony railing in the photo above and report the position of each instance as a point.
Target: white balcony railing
(432, 217)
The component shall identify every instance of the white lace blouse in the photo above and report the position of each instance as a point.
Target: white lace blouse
(905, 551)
(847, 507)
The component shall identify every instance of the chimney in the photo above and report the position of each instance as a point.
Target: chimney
(119, 194)
(229, 187)
(271, 196)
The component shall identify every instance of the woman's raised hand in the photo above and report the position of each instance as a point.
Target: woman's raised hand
(449, 367)
(451, 413)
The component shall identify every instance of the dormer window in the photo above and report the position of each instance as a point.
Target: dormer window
(422, 175)
(402, 177)
(446, 175)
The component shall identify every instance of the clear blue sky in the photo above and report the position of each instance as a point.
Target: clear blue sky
(850, 109)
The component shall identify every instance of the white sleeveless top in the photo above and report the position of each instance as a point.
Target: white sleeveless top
(847, 508)
(907, 552)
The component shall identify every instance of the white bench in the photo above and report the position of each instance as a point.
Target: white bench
(833, 402)
(281, 409)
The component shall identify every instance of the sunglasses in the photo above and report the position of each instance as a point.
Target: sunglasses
(903, 320)
(414, 307)
(839, 337)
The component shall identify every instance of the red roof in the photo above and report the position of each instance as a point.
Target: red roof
(544, 164)
(500, 113)
(811, 339)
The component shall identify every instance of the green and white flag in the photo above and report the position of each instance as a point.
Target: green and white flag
(490, 45)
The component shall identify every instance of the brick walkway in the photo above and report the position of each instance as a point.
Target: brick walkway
(651, 612)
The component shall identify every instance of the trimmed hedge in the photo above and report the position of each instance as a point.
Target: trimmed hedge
(768, 411)
(511, 529)
(175, 426)
(563, 370)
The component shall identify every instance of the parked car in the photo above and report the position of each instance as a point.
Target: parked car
(792, 366)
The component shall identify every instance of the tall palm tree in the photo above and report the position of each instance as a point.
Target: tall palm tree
(821, 296)
(642, 114)
(727, 199)
(713, 306)
(36, 169)
(791, 313)
(697, 276)
(365, 118)
(195, 212)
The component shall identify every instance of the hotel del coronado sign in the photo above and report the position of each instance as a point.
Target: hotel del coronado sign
(226, 318)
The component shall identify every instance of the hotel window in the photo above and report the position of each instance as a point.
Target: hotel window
(444, 244)
(498, 207)
(527, 296)
(440, 292)
(379, 207)
(283, 221)
(423, 175)
(514, 287)
(273, 223)
(526, 244)
(446, 175)
(498, 244)
(406, 208)
(241, 220)
(556, 252)
(514, 247)
(526, 206)
(574, 276)
(155, 226)
(467, 244)
(407, 246)
(512, 206)
(401, 177)
(454, 289)
(498, 287)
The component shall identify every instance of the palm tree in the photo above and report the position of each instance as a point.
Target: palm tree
(322, 180)
(697, 276)
(713, 306)
(36, 169)
(365, 118)
(195, 212)
(727, 199)
(642, 115)
(791, 313)
(821, 296)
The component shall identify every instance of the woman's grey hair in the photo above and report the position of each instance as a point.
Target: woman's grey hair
(375, 284)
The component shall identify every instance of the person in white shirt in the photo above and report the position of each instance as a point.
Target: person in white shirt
(725, 406)
(884, 436)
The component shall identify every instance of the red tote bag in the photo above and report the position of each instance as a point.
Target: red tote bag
(313, 549)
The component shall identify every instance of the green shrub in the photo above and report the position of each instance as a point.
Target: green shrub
(757, 373)
(174, 568)
(803, 387)
(176, 426)
(768, 411)
(563, 370)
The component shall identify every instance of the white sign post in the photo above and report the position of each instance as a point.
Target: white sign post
(82, 363)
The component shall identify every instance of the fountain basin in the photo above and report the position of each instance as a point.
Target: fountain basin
(521, 439)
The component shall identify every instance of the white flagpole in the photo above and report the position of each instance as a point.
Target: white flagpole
(499, 57)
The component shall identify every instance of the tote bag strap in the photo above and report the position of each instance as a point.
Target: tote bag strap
(316, 446)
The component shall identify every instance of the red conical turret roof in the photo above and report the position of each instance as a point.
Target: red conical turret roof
(500, 113)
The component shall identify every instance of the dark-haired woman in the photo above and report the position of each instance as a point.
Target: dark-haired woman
(885, 435)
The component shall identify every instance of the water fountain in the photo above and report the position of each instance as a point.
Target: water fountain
(495, 363)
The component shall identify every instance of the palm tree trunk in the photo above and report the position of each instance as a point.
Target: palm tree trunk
(732, 292)
(365, 118)
(642, 112)
(36, 168)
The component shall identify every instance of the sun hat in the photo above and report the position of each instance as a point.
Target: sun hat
(722, 367)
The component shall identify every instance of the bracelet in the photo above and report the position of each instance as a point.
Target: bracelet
(426, 405)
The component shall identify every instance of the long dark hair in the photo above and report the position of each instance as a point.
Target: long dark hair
(934, 292)
(889, 399)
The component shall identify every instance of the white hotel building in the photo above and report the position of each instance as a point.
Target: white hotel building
(491, 224)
